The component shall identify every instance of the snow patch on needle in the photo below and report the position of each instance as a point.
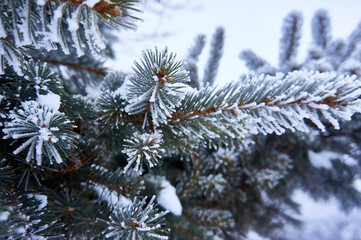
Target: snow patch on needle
(167, 198)
(50, 100)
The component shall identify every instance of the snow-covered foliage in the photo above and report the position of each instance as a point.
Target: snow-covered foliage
(31, 25)
(291, 35)
(210, 72)
(80, 146)
(191, 64)
(213, 185)
(41, 77)
(111, 106)
(143, 148)
(267, 104)
(224, 157)
(157, 88)
(321, 28)
(27, 221)
(139, 220)
(46, 129)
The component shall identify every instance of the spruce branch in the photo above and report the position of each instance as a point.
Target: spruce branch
(143, 148)
(138, 220)
(41, 78)
(291, 34)
(210, 217)
(27, 216)
(50, 24)
(44, 129)
(216, 53)
(321, 29)
(212, 185)
(192, 60)
(6, 175)
(102, 7)
(10, 56)
(189, 186)
(324, 55)
(352, 41)
(256, 63)
(111, 109)
(266, 104)
(156, 89)
(100, 72)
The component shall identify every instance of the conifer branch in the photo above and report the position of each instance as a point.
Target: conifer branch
(291, 34)
(73, 167)
(51, 24)
(210, 72)
(205, 218)
(192, 60)
(263, 105)
(321, 28)
(137, 220)
(155, 90)
(100, 72)
(46, 131)
(353, 40)
(256, 63)
(119, 181)
(195, 176)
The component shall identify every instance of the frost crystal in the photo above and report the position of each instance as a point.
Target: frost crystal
(143, 147)
(43, 127)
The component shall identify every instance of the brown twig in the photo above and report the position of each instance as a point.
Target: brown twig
(100, 72)
(73, 167)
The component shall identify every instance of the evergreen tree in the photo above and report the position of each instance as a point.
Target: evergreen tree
(162, 153)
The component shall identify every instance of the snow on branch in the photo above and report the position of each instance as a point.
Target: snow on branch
(46, 131)
(143, 148)
(156, 88)
(9, 56)
(139, 220)
(267, 104)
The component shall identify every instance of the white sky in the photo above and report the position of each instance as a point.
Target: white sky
(249, 24)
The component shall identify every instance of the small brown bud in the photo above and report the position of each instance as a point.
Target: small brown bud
(70, 209)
